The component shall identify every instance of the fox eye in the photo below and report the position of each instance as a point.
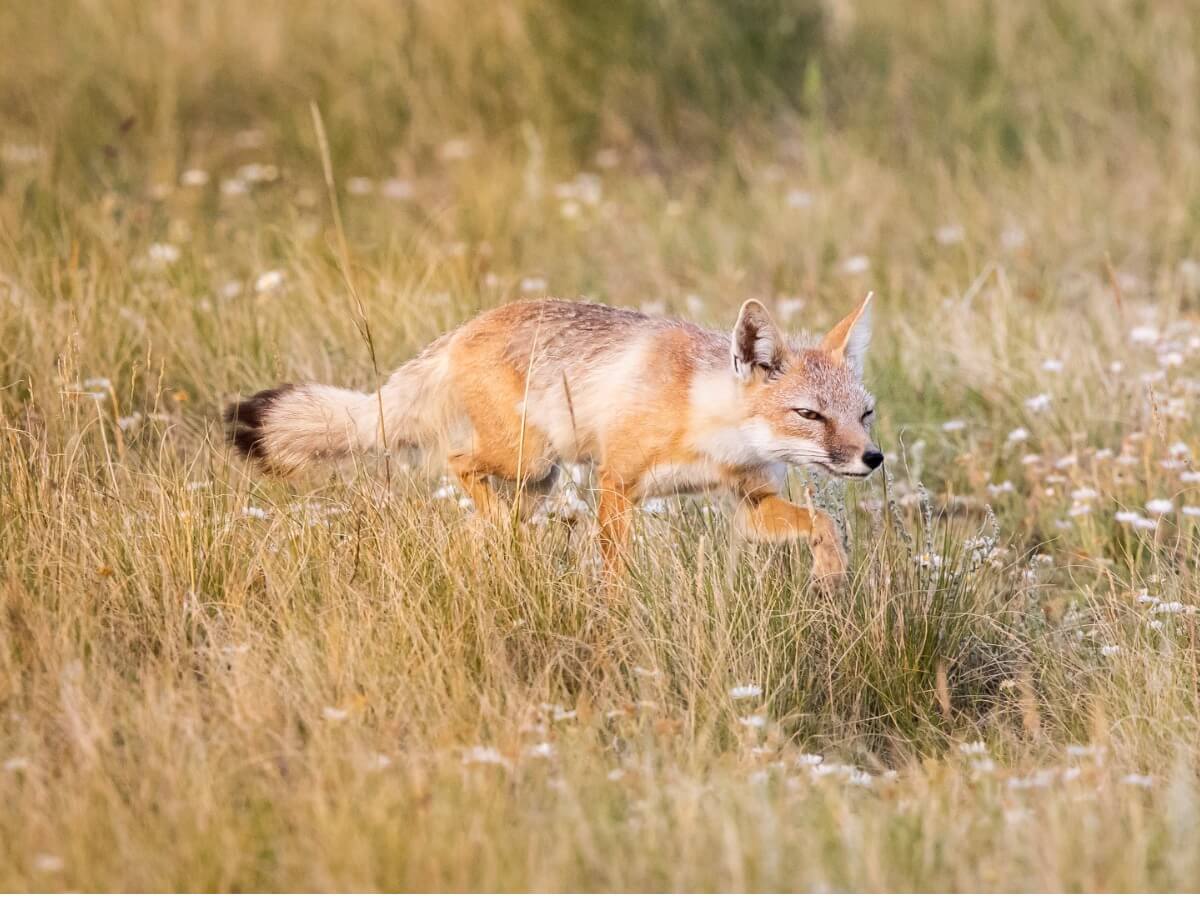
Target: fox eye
(809, 414)
(868, 414)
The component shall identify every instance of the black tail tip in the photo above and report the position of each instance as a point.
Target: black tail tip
(245, 419)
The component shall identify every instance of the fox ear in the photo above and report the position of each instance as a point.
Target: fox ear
(847, 341)
(757, 343)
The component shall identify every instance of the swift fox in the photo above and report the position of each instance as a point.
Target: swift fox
(658, 406)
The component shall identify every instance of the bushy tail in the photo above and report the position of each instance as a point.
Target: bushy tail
(287, 427)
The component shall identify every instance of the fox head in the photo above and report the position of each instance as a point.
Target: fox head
(807, 405)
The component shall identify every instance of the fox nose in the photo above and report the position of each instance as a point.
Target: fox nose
(873, 458)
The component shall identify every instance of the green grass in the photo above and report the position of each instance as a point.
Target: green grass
(212, 680)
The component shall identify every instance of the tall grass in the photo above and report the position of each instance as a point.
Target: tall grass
(213, 680)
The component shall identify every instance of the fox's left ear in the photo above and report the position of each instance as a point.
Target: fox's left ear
(847, 341)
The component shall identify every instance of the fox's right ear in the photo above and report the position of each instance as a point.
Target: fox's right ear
(757, 343)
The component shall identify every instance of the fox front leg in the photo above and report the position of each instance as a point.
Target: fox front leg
(771, 518)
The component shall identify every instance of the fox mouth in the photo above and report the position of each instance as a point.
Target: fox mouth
(836, 472)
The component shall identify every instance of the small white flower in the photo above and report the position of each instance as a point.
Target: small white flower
(1190, 511)
(163, 254)
(533, 285)
(1084, 493)
(954, 425)
(755, 721)
(544, 750)
(1172, 606)
(810, 759)
(1110, 650)
(1031, 459)
(455, 149)
(334, 714)
(1052, 365)
(377, 762)
(193, 178)
(1179, 449)
(974, 748)
(1143, 524)
(234, 187)
(1144, 334)
(397, 189)
(359, 186)
(1138, 780)
(616, 774)
(1004, 487)
(485, 756)
(1160, 507)
(1017, 435)
(1038, 403)
(1078, 510)
(789, 307)
(1012, 237)
(48, 862)
(745, 691)
(231, 289)
(1190, 477)
(127, 422)
(949, 234)
(798, 199)
(856, 265)
(255, 512)
(269, 281)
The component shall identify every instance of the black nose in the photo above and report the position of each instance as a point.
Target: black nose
(873, 458)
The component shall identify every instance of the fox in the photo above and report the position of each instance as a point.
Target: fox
(656, 406)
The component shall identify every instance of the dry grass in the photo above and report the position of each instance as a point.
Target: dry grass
(209, 680)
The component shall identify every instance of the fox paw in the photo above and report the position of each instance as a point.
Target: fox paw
(829, 557)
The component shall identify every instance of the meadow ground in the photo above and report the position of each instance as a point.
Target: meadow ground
(212, 680)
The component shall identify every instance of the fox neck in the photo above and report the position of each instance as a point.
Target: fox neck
(721, 428)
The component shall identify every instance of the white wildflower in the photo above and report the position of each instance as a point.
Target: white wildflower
(954, 425)
(485, 756)
(754, 721)
(255, 512)
(1110, 650)
(1160, 507)
(1190, 511)
(1038, 403)
(856, 265)
(950, 234)
(974, 748)
(1017, 435)
(335, 714)
(397, 189)
(162, 254)
(1004, 487)
(798, 199)
(455, 149)
(1012, 237)
(193, 178)
(533, 285)
(745, 691)
(48, 862)
(1144, 334)
(544, 750)
(269, 281)
(1052, 365)
(1138, 780)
